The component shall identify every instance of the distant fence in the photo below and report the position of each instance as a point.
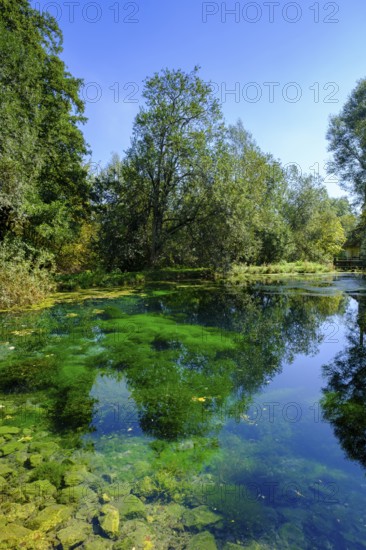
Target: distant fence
(355, 262)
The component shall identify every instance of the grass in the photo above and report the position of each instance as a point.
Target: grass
(242, 271)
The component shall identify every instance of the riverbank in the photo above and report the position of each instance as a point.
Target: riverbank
(90, 279)
(89, 283)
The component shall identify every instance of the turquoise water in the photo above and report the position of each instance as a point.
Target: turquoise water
(233, 416)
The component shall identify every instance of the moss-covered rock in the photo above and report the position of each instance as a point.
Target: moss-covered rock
(78, 494)
(21, 456)
(6, 471)
(50, 517)
(18, 512)
(146, 487)
(130, 507)
(202, 541)
(200, 517)
(3, 521)
(3, 483)
(136, 534)
(109, 521)
(12, 430)
(34, 460)
(11, 535)
(42, 488)
(10, 447)
(36, 540)
(73, 535)
(79, 474)
(97, 543)
(45, 448)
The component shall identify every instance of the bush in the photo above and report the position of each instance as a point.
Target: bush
(24, 280)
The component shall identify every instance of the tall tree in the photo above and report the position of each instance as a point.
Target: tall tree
(347, 142)
(173, 158)
(316, 228)
(43, 182)
(259, 187)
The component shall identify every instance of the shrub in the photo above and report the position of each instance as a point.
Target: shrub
(24, 279)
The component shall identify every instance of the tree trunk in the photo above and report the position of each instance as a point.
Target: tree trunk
(156, 236)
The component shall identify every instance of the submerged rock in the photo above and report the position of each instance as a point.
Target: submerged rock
(50, 517)
(136, 534)
(78, 475)
(34, 460)
(6, 471)
(10, 448)
(42, 488)
(44, 448)
(78, 494)
(131, 507)
(109, 521)
(200, 517)
(3, 483)
(11, 535)
(3, 521)
(19, 512)
(202, 541)
(97, 543)
(146, 487)
(13, 430)
(73, 535)
(35, 540)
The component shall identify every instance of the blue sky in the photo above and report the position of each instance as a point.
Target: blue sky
(289, 65)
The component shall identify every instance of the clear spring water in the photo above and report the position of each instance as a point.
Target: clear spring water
(244, 403)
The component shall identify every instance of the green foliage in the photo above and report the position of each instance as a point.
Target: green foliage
(347, 142)
(250, 226)
(317, 233)
(23, 280)
(250, 211)
(43, 184)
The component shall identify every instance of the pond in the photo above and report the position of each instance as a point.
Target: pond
(194, 416)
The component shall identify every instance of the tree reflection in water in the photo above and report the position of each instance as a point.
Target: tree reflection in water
(344, 401)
